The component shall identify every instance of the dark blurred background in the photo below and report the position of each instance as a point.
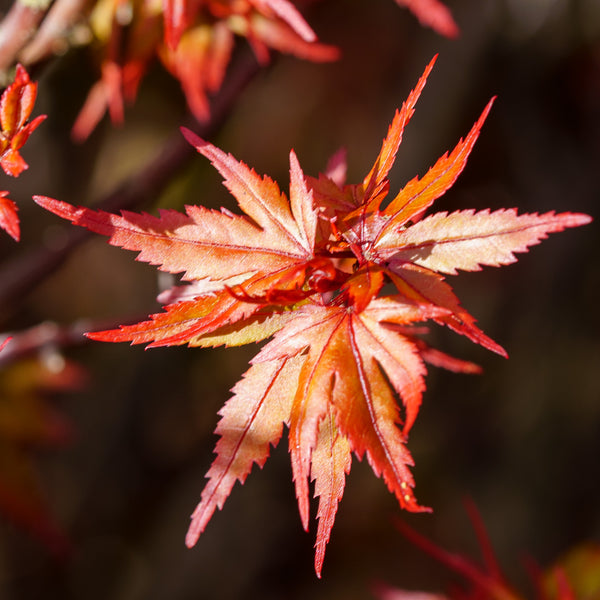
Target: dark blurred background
(522, 439)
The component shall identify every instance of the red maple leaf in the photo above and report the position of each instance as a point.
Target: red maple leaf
(345, 368)
(16, 105)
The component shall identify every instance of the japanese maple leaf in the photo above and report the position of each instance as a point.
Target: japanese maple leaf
(258, 274)
(16, 106)
(344, 369)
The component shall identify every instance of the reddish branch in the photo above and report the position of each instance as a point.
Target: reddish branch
(44, 335)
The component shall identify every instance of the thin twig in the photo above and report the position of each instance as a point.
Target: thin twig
(50, 336)
(16, 29)
(52, 36)
(45, 335)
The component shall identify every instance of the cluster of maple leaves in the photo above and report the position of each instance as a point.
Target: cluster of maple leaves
(334, 275)
(16, 105)
(194, 40)
(337, 278)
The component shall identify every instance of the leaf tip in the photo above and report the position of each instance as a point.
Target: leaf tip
(427, 71)
(318, 567)
(191, 537)
(41, 200)
(578, 219)
(101, 336)
(193, 139)
(50, 204)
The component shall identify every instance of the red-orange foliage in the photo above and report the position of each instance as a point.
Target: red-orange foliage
(16, 106)
(194, 40)
(309, 271)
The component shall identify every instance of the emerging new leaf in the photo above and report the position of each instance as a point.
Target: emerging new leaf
(16, 105)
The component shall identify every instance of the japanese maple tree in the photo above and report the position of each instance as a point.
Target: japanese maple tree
(337, 275)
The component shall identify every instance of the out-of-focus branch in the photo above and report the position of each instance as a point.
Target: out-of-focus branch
(47, 339)
(55, 32)
(46, 335)
(17, 28)
(26, 271)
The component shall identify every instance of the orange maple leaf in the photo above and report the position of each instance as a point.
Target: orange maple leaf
(344, 369)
